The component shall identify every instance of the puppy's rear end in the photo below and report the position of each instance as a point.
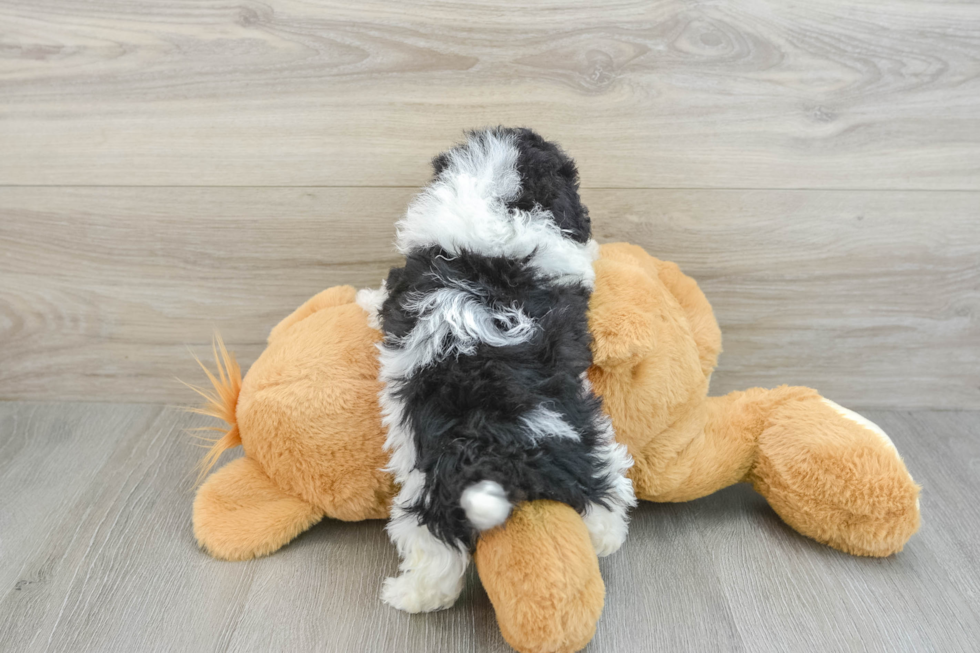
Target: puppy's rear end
(484, 361)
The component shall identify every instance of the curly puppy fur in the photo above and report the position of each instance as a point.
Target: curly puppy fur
(484, 359)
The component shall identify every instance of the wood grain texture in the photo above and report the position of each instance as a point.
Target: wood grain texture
(172, 167)
(872, 298)
(99, 556)
(102, 290)
(753, 94)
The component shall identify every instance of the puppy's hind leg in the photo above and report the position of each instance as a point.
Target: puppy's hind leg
(431, 571)
(608, 526)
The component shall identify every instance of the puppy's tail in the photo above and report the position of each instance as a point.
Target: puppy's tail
(486, 505)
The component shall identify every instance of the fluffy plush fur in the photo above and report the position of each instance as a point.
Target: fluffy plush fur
(486, 347)
(308, 418)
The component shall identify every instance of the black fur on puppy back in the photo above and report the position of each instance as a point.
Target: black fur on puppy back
(465, 410)
(549, 180)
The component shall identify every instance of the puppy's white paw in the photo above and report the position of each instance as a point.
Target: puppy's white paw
(411, 593)
(607, 529)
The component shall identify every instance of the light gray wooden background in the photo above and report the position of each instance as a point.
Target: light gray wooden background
(171, 167)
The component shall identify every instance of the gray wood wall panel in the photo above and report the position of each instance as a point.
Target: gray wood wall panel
(756, 94)
(102, 290)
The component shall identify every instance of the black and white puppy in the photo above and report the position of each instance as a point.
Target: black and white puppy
(484, 359)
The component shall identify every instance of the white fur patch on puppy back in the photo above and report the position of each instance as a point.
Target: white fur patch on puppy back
(457, 313)
(542, 422)
(465, 208)
(485, 504)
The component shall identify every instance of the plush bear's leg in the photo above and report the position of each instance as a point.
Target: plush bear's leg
(240, 514)
(542, 576)
(836, 477)
(828, 472)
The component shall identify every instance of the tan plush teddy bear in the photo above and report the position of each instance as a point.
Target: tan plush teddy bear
(307, 417)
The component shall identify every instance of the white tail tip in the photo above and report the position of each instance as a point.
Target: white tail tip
(486, 504)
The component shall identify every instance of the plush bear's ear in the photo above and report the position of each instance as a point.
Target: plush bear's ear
(641, 304)
(622, 311)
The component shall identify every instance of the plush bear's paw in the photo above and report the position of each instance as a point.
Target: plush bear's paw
(410, 592)
(607, 529)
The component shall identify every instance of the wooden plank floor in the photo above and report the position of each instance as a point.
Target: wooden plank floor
(97, 554)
